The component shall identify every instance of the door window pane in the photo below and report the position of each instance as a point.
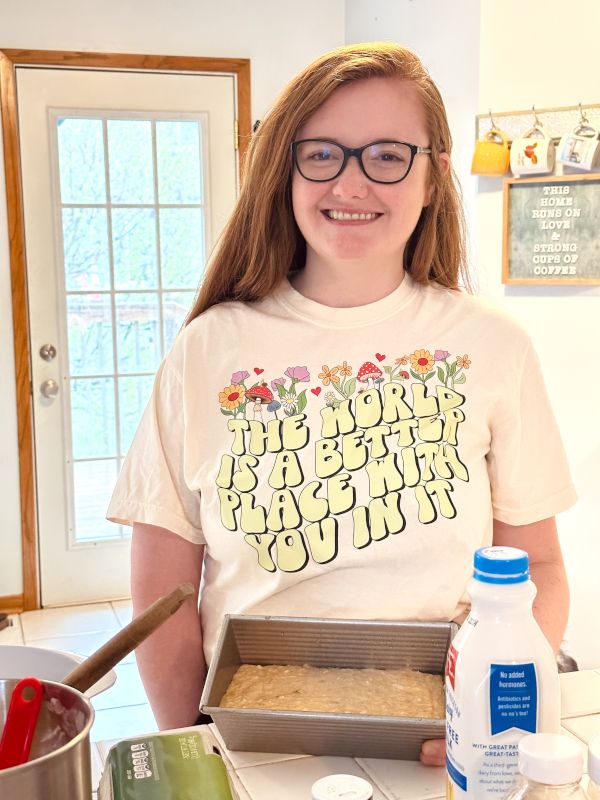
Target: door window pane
(134, 248)
(138, 332)
(181, 246)
(130, 160)
(93, 417)
(178, 148)
(81, 160)
(176, 306)
(93, 483)
(85, 243)
(134, 394)
(89, 326)
(130, 281)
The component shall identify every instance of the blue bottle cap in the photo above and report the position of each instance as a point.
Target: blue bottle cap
(501, 565)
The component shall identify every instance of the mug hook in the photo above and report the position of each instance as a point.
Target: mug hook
(536, 120)
(582, 117)
(492, 120)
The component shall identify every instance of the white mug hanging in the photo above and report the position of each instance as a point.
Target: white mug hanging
(533, 153)
(580, 149)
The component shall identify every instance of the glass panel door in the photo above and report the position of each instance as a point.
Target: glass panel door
(133, 237)
(128, 179)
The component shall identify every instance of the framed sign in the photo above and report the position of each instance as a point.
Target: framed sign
(552, 230)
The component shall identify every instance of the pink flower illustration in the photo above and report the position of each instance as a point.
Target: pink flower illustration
(240, 376)
(298, 373)
(440, 355)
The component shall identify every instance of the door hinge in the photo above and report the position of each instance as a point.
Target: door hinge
(236, 136)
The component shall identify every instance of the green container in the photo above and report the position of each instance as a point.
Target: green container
(171, 766)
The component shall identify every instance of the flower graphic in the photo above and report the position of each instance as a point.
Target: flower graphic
(329, 375)
(239, 377)
(232, 396)
(402, 361)
(277, 382)
(463, 362)
(298, 373)
(289, 400)
(421, 361)
(440, 355)
(345, 370)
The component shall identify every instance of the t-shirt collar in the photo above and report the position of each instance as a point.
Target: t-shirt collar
(352, 317)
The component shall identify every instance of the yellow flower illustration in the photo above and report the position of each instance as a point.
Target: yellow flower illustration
(232, 396)
(345, 370)
(402, 361)
(329, 375)
(463, 361)
(421, 361)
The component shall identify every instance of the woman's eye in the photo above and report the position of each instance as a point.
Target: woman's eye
(393, 157)
(321, 155)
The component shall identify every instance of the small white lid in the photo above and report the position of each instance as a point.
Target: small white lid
(346, 787)
(550, 758)
(594, 758)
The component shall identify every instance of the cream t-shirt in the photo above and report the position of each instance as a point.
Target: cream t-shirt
(344, 462)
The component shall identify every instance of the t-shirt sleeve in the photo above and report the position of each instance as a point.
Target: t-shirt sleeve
(151, 487)
(527, 465)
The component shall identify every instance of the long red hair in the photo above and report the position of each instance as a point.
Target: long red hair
(261, 243)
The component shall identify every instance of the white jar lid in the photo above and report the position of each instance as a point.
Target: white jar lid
(347, 787)
(550, 758)
(594, 758)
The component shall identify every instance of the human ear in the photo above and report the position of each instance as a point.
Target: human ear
(444, 168)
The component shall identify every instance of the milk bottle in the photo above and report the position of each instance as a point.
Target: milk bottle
(501, 678)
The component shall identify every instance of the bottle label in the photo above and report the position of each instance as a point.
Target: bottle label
(513, 697)
(451, 664)
(482, 745)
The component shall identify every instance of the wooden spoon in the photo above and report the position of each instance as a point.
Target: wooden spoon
(97, 665)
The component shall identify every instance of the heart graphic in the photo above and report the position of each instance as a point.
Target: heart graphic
(379, 357)
(258, 370)
(316, 391)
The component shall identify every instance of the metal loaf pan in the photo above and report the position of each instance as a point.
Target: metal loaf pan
(324, 643)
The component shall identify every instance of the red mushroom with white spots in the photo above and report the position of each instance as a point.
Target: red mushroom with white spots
(369, 371)
(261, 395)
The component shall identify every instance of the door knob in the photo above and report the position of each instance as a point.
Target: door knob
(48, 352)
(49, 388)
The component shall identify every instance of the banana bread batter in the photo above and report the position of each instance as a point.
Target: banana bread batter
(397, 693)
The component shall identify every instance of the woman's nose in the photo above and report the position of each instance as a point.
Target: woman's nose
(352, 182)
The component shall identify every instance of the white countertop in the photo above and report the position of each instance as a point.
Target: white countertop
(269, 776)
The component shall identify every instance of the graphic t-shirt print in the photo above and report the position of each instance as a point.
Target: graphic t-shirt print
(397, 419)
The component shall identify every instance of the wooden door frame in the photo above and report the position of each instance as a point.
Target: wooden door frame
(9, 61)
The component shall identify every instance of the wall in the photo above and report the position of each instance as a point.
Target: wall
(484, 54)
(539, 63)
(279, 41)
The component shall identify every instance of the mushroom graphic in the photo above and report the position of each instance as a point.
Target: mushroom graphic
(261, 395)
(366, 372)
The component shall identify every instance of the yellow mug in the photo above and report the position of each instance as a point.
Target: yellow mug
(491, 156)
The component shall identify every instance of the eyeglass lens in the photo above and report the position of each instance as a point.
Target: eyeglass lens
(383, 161)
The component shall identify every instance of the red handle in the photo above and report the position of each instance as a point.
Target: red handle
(21, 718)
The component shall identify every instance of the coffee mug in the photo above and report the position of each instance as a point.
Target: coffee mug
(580, 149)
(533, 153)
(491, 154)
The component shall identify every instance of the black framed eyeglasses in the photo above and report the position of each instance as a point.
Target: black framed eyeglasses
(382, 162)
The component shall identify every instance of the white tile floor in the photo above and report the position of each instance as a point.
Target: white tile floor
(122, 710)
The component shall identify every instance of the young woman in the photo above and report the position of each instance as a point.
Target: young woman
(338, 427)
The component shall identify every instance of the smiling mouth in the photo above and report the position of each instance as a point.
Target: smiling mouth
(345, 216)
